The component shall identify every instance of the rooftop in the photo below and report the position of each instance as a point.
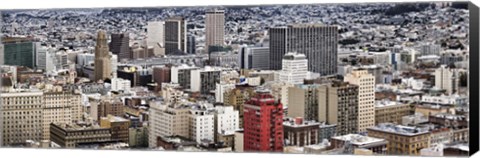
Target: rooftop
(400, 129)
(358, 139)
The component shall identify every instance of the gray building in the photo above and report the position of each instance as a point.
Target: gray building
(175, 35)
(317, 42)
(119, 45)
(326, 131)
(191, 44)
(430, 49)
(254, 58)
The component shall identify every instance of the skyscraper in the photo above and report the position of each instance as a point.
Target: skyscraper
(366, 100)
(214, 28)
(338, 104)
(103, 64)
(263, 124)
(317, 42)
(175, 35)
(19, 51)
(191, 44)
(304, 101)
(120, 45)
(156, 36)
(294, 68)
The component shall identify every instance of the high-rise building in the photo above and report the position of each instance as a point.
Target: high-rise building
(167, 121)
(237, 97)
(317, 42)
(191, 45)
(214, 28)
(175, 35)
(60, 107)
(181, 75)
(22, 114)
(254, 58)
(366, 97)
(103, 63)
(204, 80)
(161, 74)
(119, 45)
(447, 79)
(202, 124)
(19, 51)
(118, 127)
(304, 101)
(338, 104)
(294, 68)
(263, 124)
(156, 36)
(226, 119)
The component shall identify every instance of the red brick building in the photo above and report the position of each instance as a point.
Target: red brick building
(263, 124)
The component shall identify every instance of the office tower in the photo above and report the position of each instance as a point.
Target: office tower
(44, 59)
(118, 127)
(182, 75)
(447, 79)
(70, 135)
(299, 132)
(191, 44)
(254, 58)
(103, 63)
(161, 74)
(366, 97)
(119, 45)
(294, 68)
(167, 121)
(304, 101)
(317, 42)
(406, 140)
(214, 28)
(156, 36)
(338, 104)
(19, 51)
(175, 35)
(60, 107)
(237, 98)
(204, 80)
(391, 112)
(22, 114)
(263, 124)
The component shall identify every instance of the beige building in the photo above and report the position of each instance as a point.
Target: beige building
(338, 104)
(402, 140)
(108, 106)
(366, 97)
(391, 112)
(22, 117)
(103, 63)
(303, 101)
(167, 121)
(118, 126)
(69, 135)
(214, 28)
(238, 142)
(60, 107)
(236, 97)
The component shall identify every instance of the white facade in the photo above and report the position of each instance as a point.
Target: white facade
(175, 72)
(196, 80)
(444, 99)
(294, 68)
(155, 36)
(227, 119)
(114, 65)
(119, 84)
(221, 89)
(447, 79)
(254, 81)
(202, 125)
(171, 94)
(366, 97)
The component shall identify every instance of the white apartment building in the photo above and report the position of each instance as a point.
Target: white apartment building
(119, 84)
(294, 68)
(366, 102)
(447, 79)
(202, 122)
(226, 119)
(221, 89)
(204, 80)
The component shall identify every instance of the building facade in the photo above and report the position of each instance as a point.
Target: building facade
(119, 127)
(392, 112)
(263, 124)
(103, 63)
(366, 97)
(214, 28)
(402, 140)
(175, 35)
(19, 51)
(304, 101)
(299, 132)
(294, 68)
(69, 135)
(119, 45)
(257, 58)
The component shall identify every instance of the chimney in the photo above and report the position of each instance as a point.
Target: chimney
(298, 120)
